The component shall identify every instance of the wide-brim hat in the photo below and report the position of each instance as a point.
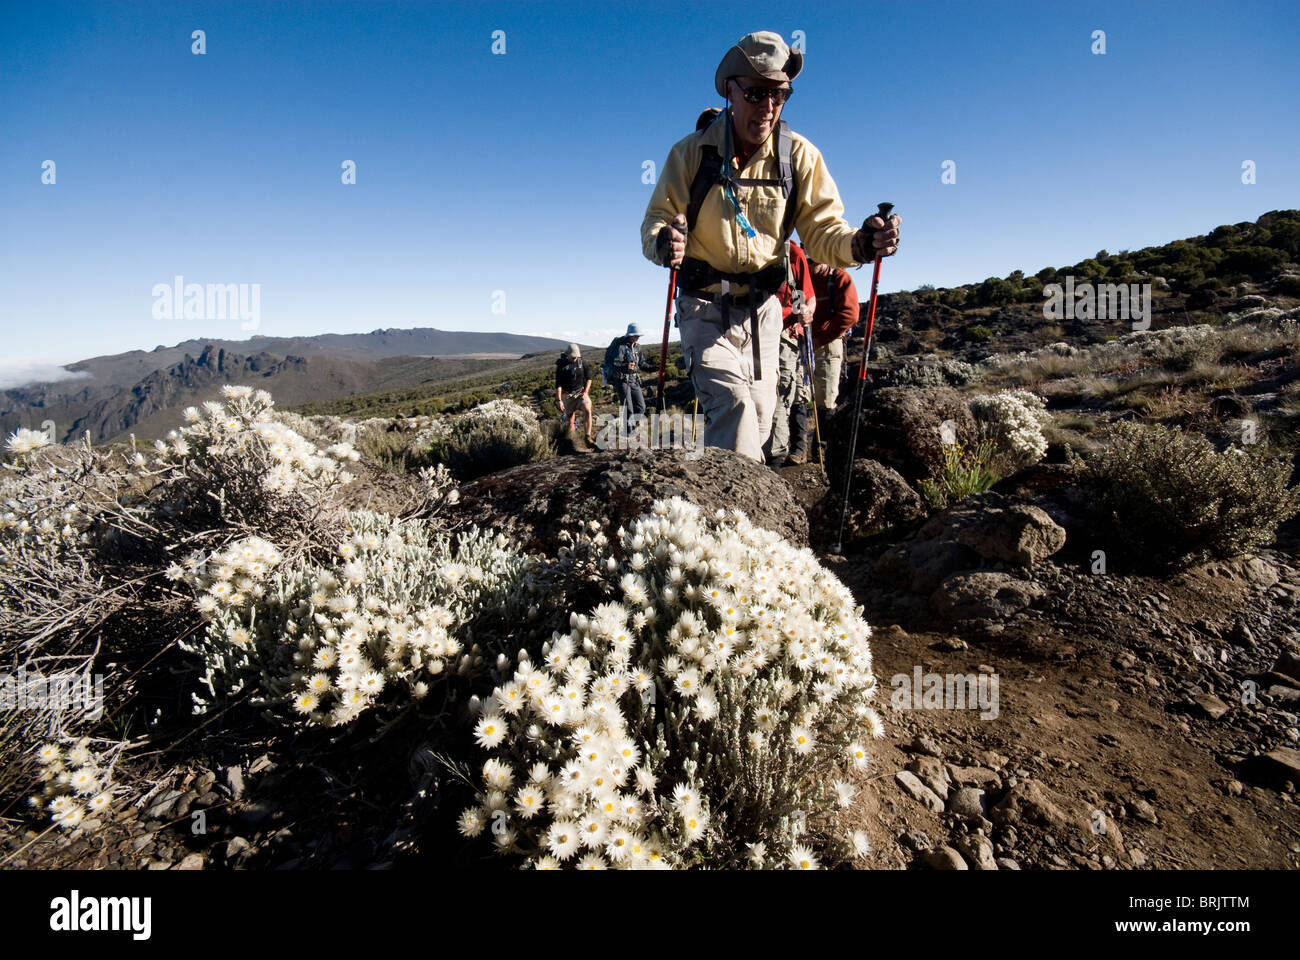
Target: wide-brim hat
(633, 330)
(762, 56)
(573, 350)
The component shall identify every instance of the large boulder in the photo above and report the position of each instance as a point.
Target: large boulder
(1021, 534)
(880, 499)
(532, 503)
(902, 428)
(983, 529)
(983, 595)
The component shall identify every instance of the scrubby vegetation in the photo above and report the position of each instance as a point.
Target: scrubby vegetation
(490, 438)
(1205, 267)
(706, 705)
(1171, 498)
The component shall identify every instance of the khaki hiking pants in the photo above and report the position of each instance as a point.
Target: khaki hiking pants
(787, 395)
(826, 381)
(738, 409)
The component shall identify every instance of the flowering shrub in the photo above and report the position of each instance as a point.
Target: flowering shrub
(931, 372)
(491, 437)
(234, 468)
(1015, 421)
(76, 782)
(698, 717)
(55, 596)
(378, 624)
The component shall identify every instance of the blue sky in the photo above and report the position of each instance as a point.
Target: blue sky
(522, 172)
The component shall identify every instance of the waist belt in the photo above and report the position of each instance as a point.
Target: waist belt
(694, 275)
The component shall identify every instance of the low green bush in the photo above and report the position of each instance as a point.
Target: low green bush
(491, 438)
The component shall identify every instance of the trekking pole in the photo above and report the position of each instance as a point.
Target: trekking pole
(663, 353)
(810, 371)
(885, 210)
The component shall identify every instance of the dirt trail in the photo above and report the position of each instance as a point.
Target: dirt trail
(1108, 734)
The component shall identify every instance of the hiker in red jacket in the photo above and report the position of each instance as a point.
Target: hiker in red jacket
(836, 312)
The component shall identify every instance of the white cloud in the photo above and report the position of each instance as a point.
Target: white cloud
(18, 374)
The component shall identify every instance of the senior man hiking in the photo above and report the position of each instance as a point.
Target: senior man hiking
(721, 214)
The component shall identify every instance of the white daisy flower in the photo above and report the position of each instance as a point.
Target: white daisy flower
(860, 842)
(490, 731)
(472, 821)
(562, 839)
(802, 738)
(858, 756)
(801, 858)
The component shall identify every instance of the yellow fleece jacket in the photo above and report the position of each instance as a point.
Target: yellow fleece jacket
(718, 239)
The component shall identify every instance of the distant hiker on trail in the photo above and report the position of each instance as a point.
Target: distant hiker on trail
(797, 305)
(622, 368)
(727, 201)
(573, 388)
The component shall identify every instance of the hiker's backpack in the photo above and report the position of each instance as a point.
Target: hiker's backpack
(609, 367)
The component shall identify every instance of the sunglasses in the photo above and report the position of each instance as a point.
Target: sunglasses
(779, 95)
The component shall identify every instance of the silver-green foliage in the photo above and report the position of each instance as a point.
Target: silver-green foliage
(392, 613)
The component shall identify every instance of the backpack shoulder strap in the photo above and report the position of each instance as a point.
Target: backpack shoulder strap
(706, 176)
(784, 148)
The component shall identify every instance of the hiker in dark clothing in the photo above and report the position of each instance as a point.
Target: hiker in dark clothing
(623, 366)
(573, 388)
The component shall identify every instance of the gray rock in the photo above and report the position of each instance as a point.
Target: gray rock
(235, 781)
(971, 776)
(978, 850)
(1283, 694)
(1142, 810)
(164, 804)
(967, 803)
(1028, 800)
(193, 862)
(1019, 534)
(236, 846)
(931, 772)
(1282, 764)
(920, 565)
(918, 791)
(532, 503)
(1210, 705)
(916, 840)
(1006, 863)
(924, 745)
(184, 802)
(881, 499)
(945, 858)
(900, 428)
(263, 762)
(983, 595)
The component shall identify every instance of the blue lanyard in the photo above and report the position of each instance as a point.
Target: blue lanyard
(728, 189)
